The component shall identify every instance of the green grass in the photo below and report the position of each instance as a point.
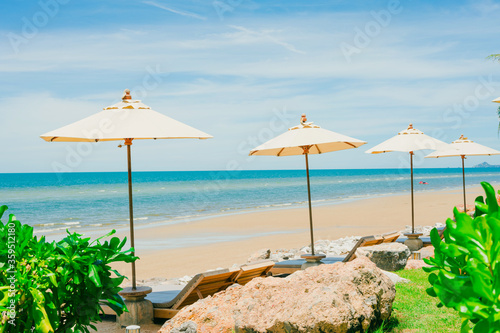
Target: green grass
(415, 311)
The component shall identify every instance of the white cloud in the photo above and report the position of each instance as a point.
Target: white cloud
(175, 11)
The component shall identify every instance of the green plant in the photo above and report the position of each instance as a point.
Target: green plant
(494, 57)
(466, 265)
(56, 286)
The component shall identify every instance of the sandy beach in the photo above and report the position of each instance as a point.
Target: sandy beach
(288, 228)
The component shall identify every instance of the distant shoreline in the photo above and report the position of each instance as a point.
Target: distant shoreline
(234, 171)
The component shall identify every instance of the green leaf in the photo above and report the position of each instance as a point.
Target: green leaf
(465, 326)
(491, 198)
(94, 276)
(107, 235)
(482, 326)
(481, 207)
(3, 208)
(431, 292)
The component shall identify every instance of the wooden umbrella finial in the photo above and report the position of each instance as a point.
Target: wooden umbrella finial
(303, 119)
(126, 94)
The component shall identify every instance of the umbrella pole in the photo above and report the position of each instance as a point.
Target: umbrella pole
(310, 208)
(463, 178)
(128, 143)
(412, 207)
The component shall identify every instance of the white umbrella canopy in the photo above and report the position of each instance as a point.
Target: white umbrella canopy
(463, 147)
(408, 141)
(306, 139)
(497, 100)
(127, 120)
(318, 140)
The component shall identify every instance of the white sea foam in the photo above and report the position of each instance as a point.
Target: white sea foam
(44, 231)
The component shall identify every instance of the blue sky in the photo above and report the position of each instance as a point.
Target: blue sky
(244, 71)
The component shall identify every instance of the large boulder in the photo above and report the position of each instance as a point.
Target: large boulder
(187, 327)
(387, 256)
(395, 278)
(427, 252)
(341, 297)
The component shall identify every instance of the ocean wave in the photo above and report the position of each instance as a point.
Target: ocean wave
(45, 231)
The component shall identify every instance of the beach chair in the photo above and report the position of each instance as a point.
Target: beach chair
(201, 285)
(250, 271)
(166, 304)
(390, 237)
(291, 266)
(425, 240)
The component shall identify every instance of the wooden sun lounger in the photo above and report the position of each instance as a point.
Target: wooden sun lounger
(166, 304)
(291, 266)
(390, 237)
(251, 271)
(425, 240)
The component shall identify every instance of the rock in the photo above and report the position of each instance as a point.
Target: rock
(426, 252)
(262, 254)
(332, 248)
(284, 254)
(387, 256)
(416, 264)
(184, 280)
(342, 297)
(187, 327)
(425, 230)
(395, 278)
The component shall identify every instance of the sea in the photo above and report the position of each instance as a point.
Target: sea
(55, 202)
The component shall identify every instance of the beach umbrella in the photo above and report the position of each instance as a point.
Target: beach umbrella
(125, 121)
(306, 139)
(463, 147)
(408, 141)
(497, 100)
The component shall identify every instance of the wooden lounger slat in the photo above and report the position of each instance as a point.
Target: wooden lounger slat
(370, 243)
(390, 237)
(107, 310)
(203, 285)
(186, 293)
(164, 313)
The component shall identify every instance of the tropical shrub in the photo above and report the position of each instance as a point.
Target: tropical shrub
(466, 265)
(56, 286)
(494, 57)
